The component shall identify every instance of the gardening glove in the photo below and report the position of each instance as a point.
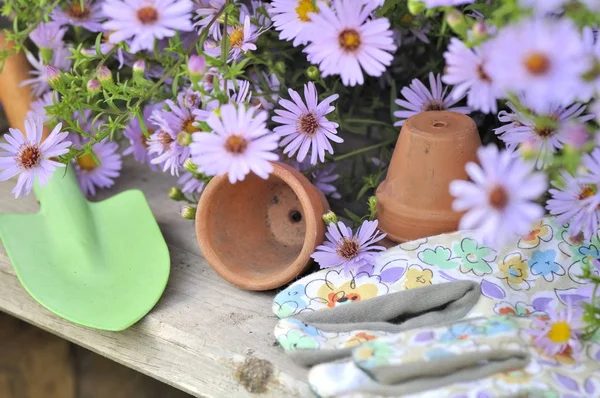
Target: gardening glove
(320, 336)
(531, 275)
(478, 357)
(425, 359)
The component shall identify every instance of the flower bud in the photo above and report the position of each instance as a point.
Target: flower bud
(329, 218)
(457, 21)
(104, 74)
(280, 66)
(139, 67)
(576, 135)
(52, 74)
(196, 66)
(479, 31)
(313, 73)
(190, 166)
(188, 212)
(416, 7)
(372, 202)
(176, 194)
(93, 85)
(192, 100)
(184, 138)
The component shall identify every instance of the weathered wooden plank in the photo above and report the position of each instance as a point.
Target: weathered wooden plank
(205, 336)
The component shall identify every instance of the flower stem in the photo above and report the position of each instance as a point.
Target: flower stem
(363, 150)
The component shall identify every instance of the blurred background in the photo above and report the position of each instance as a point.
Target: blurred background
(37, 364)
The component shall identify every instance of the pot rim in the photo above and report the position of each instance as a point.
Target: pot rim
(292, 178)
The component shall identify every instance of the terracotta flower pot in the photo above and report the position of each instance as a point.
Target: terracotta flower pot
(414, 201)
(259, 234)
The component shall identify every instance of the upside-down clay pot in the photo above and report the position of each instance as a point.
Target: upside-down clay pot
(259, 234)
(414, 200)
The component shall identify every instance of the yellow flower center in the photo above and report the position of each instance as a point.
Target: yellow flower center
(188, 126)
(560, 332)
(236, 144)
(87, 162)
(236, 38)
(304, 7)
(349, 39)
(537, 64)
(75, 11)
(587, 191)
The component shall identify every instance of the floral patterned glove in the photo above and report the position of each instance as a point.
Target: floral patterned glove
(478, 357)
(533, 275)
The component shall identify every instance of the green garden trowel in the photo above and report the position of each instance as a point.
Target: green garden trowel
(103, 265)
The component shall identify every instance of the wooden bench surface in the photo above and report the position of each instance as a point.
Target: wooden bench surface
(205, 336)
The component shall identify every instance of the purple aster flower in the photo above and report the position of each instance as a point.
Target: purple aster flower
(72, 13)
(534, 67)
(139, 142)
(419, 99)
(240, 143)
(38, 107)
(559, 332)
(92, 175)
(305, 126)
(576, 203)
(142, 21)
(291, 17)
(180, 116)
(164, 146)
(27, 156)
(48, 35)
(207, 11)
(499, 201)
(40, 82)
(190, 184)
(444, 3)
(537, 134)
(349, 40)
(466, 69)
(323, 178)
(242, 37)
(355, 252)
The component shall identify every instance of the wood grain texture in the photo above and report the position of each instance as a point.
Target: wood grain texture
(204, 336)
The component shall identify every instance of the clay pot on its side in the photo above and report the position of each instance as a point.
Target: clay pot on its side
(259, 234)
(433, 148)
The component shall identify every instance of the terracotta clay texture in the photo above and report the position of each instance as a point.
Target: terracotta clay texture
(432, 150)
(259, 234)
(16, 98)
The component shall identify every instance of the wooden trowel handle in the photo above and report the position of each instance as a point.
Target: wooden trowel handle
(15, 100)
